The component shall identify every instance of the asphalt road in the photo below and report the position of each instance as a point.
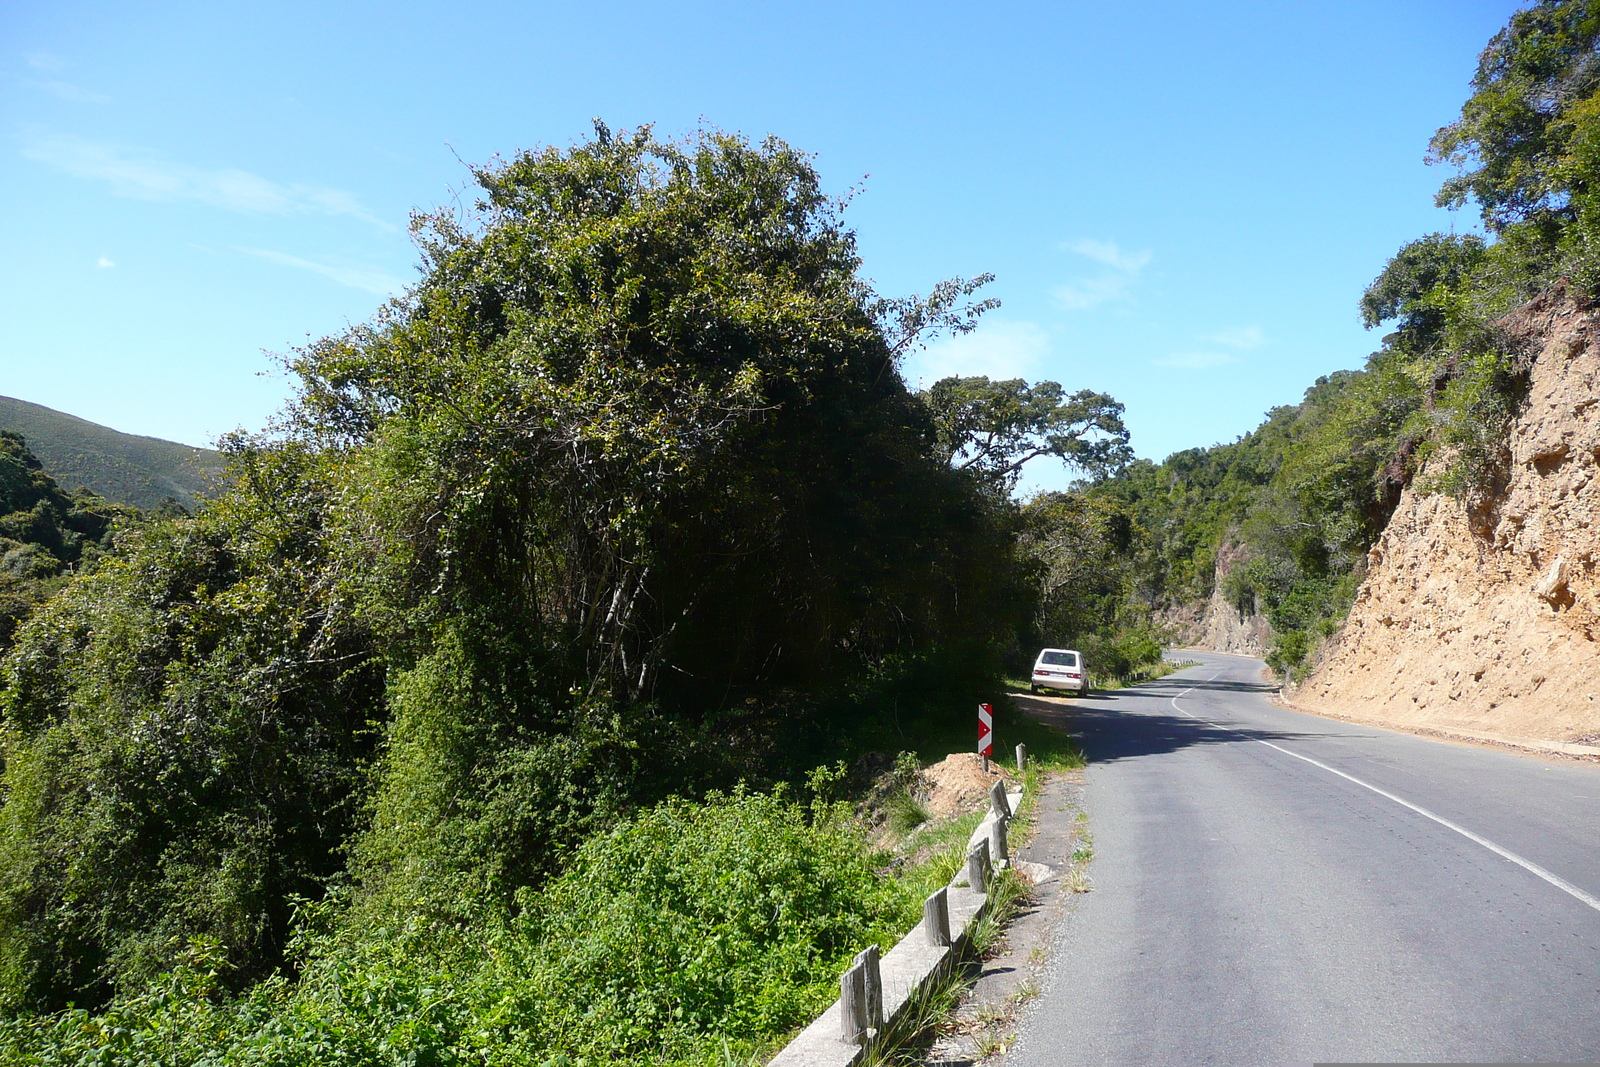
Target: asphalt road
(1253, 907)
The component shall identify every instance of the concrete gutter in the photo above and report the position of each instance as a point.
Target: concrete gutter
(906, 969)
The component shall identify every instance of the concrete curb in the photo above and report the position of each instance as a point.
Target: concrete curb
(906, 969)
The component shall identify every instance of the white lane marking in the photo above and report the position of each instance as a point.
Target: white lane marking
(1505, 853)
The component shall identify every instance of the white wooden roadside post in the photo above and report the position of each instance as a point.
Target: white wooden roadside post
(999, 803)
(1022, 757)
(985, 733)
(853, 1005)
(936, 917)
(868, 960)
(861, 998)
(978, 867)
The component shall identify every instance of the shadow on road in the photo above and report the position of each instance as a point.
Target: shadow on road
(1171, 686)
(1117, 730)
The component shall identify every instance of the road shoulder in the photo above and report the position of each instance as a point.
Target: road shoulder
(1011, 974)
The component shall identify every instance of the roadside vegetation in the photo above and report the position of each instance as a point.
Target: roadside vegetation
(691, 933)
(477, 720)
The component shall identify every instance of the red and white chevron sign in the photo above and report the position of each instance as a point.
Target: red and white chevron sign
(985, 729)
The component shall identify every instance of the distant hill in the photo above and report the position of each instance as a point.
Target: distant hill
(123, 467)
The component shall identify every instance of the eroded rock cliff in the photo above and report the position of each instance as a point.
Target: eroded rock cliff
(1218, 625)
(1485, 619)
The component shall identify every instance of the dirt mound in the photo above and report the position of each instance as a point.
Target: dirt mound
(957, 784)
(1483, 617)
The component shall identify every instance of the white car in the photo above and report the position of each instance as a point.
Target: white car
(1060, 668)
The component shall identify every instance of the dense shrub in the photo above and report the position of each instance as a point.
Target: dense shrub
(184, 736)
(734, 917)
(690, 931)
(45, 533)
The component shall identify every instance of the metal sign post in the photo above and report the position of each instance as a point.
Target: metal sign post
(985, 733)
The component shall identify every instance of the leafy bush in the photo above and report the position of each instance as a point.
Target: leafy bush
(44, 532)
(1288, 650)
(729, 917)
(1122, 655)
(688, 931)
(185, 735)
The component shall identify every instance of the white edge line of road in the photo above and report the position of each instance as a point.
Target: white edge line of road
(1505, 853)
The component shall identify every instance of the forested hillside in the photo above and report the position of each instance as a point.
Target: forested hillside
(1292, 507)
(1302, 498)
(125, 468)
(45, 534)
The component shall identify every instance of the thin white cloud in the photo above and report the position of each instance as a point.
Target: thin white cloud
(147, 176)
(1197, 360)
(371, 279)
(103, 262)
(1116, 283)
(1092, 292)
(998, 350)
(66, 91)
(1111, 254)
(1243, 338)
(44, 61)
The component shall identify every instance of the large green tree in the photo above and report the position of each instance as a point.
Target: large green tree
(1527, 152)
(637, 469)
(1528, 107)
(644, 395)
(992, 429)
(625, 496)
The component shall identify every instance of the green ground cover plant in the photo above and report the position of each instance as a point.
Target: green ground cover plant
(692, 928)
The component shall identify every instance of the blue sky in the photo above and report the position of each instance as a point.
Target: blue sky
(1182, 202)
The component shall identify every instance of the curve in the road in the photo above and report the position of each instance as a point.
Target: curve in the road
(1335, 892)
(1505, 853)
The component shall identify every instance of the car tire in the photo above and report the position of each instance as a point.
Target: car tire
(1083, 692)
(1033, 689)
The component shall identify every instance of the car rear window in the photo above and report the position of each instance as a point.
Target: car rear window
(1060, 659)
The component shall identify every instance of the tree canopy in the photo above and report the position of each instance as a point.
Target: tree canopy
(993, 428)
(624, 497)
(1527, 151)
(1529, 109)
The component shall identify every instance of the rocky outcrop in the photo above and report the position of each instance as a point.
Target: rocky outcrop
(1182, 624)
(1483, 617)
(1222, 627)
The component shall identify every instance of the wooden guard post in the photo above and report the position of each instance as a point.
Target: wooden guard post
(861, 998)
(936, 918)
(978, 867)
(998, 801)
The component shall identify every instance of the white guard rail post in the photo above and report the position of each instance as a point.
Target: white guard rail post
(875, 992)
